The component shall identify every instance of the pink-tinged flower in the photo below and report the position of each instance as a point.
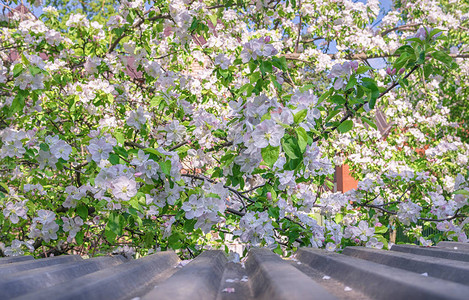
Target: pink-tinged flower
(425, 243)
(257, 47)
(45, 158)
(265, 49)
(78, 20)
(72, 226)
(45, 216)
(223, 61)
(194, 208)
(365, 230)
(268, 133)
(124, 188)
(99, 149)
(140, 159)
(175, 132)
(374, 243)
(91, 64)
(342, 73)
(137, 118)
(15, 211)
(14, 249)
(14, 149)
(49, 231)
(61, 150)
(445, 226)
(331, 247)
(248, 53)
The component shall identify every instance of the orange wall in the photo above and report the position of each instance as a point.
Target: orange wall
(344, 180)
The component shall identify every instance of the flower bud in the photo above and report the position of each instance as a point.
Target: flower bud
(390, 71)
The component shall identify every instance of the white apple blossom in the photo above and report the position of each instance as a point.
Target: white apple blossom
(268, 133)
(124, 188)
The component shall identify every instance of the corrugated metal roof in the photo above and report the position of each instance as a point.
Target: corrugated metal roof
(405, 272)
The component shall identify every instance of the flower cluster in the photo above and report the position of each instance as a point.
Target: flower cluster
(186, 126)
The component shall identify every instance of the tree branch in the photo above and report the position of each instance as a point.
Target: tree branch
(124, 34)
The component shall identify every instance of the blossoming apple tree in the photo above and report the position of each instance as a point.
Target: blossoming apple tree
(190, 125)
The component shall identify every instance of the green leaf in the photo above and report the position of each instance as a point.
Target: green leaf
(421, 58)
(109, 235)
(338, 218)
(363, 69)
(405, 48)
(270, 154)
(114, 159)
(300, 116)
(325, 95)
(427, 70)
(351, 83)
(402, 60)
(254, 77)
(148, 239)
(44, 147)
(345, 126)
(243, 88)
(34, 70)
(252, 66)
(79, 237)
(19, 101)
(116, 223)
(331, 115)
(302, 138)
(369, 122)
(280, 63)
(166, 167)
(462, 192)
(189, 225)
(174, 241)
(360, 91)
(382, 229)
(82, 211)
(274, 212)
(213, 18)
(153, 151)
(17, 70)
(417, 40)
(443, 57)
(278, 250)
(3, 185)
(266, 67)
(194, 24)
(434, 32)
(290, 146)
(371, 85)
(121, 151)
(338, 99)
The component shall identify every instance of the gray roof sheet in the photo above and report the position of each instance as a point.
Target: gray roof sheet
(405, 272)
